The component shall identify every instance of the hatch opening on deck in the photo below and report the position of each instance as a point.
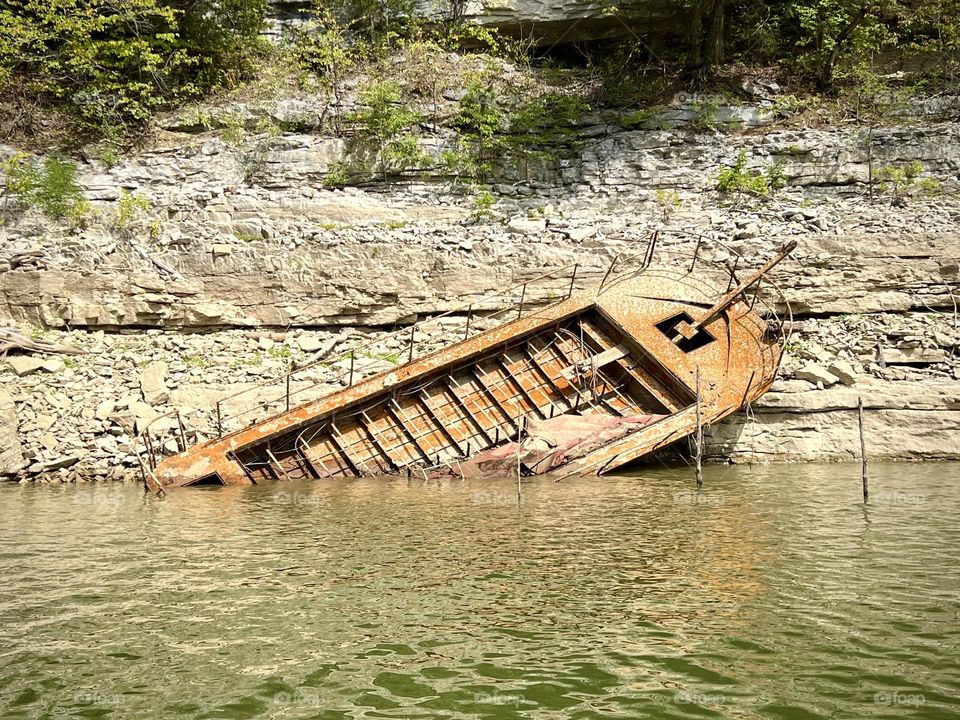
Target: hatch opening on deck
(669, 327)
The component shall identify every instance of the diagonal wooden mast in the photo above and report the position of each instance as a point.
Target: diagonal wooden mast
(688, 330)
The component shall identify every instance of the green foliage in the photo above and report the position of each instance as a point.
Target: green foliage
(640, 119)
(130, 209)
(338, 175)
(478, 122)
(197, 361)
(280, 351)
(737, 179)
(385, 129)
(233, 127)
(547, 119)
(902, 181)
(51, 187)
(483, 203)
(324, 49)
(668, 201)
(114, 63)
(704, 115)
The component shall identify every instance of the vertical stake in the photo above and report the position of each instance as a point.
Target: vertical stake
(519, 446)
(183, 434)
(288, 392)
(756, 291)
(863, 450)
(219, 423)
(413, 329)
(466, 333)
(695, 254)
(573, 279)
(523, 295)
(733, 272)
(352, 354)
(699, 457)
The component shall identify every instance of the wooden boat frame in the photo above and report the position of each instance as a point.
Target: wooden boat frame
(655, 340)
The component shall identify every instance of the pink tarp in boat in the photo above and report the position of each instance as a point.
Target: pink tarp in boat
(549, 443)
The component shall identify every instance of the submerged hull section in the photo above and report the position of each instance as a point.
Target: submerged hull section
(629, 356)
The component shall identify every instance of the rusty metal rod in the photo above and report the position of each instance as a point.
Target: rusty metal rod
(466, 332)
(696, 253)
(523, 295)
(733, 272)
(219, 423)
(863, 451)
(651, 249)
(183, 434)
(350, 381)
(573, 279)
(413, 329)
(699, 436)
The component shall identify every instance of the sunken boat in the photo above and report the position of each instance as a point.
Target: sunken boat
(582, 385)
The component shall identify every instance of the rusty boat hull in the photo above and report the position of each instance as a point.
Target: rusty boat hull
(651, 344)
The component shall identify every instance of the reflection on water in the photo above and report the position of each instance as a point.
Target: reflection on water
(773, 593)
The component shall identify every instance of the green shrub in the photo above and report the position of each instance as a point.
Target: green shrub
(113, 63)
(736, 178)
(385, 128)
(902, 181)
(483, 203)
(130, 209)
(51, 187)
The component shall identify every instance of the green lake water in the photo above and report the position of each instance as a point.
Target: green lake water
(773, 593)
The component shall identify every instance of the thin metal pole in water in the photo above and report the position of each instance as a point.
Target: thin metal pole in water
(863, 450)
(149, 443)
(519, 433)
(699, 457)
(523, 295)
(413, 329)
(219, 423)
(573, 279)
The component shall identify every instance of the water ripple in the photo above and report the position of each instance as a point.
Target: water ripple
(773, 593)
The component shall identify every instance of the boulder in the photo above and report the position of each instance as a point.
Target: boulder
(525, 226)
(24, 364)
(11, 454)
(53, 365)
(844, 371)
(153, 383)
(816, 373)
